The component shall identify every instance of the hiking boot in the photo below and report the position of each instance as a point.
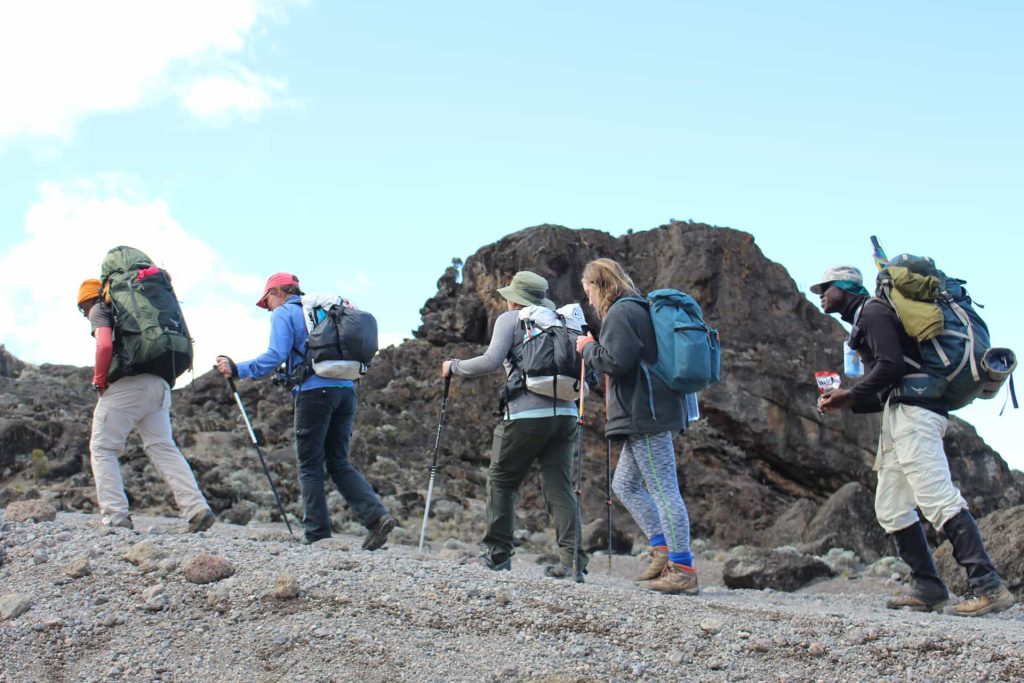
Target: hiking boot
(492, 563)
(379, 532)
(310, 540)
(659, 558)
(969, 552)
(124, 523)
(979, 603)
(201, 521)
(916, 601)
(928, 592)
(675, 579)
(561, 571)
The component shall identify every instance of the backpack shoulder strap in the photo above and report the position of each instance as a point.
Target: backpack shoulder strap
(295, 335)
(855, 325)
(640, 300)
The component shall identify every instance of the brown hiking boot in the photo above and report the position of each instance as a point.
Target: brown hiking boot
(976, 604)
(914, 601)
(201, 521)
(659, 558)
(378, 532)
(675, 579)
(124, 523)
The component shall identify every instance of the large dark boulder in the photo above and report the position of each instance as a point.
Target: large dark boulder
(781, 569)
(761, 445)
(790, 527)
(595, 536)
(847, 520)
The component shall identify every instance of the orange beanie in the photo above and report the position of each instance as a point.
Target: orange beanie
(90, 289)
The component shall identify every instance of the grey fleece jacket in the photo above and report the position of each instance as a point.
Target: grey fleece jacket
(504, 337)
(627, 338)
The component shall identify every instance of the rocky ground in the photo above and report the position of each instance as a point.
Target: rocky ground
(73, 608)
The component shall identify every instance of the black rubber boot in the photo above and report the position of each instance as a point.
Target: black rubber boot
(969, 551)
(929, 592)
(987, 592)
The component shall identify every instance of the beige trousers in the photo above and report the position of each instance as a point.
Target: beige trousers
(140, 402)
(912, 469)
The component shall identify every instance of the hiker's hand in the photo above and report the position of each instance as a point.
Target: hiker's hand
(583, 340)
(226, 366)
(834, 400)
(446, 369)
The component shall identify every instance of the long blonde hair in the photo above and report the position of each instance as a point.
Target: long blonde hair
(609, 281)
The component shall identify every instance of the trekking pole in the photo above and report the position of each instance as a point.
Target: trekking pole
(608, 475)
(579, 481)
(433, 464)
(608, 498)
(259, 452)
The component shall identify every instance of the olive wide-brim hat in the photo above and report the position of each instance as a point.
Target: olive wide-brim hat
(528, 289)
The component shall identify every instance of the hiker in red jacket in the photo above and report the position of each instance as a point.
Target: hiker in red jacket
(141, 402)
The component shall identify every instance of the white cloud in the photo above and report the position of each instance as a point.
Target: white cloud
(63, 60)
(67, 234)
(215, 99)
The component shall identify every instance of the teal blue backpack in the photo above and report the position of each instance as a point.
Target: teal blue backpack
(689, 355)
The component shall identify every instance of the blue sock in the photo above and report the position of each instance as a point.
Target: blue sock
(658, 539)
(681, 558)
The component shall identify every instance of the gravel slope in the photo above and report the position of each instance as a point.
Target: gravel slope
(393, 616)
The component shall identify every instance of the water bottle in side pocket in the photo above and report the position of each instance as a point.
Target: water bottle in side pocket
(853, 366)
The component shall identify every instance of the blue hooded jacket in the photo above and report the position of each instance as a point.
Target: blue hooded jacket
(287, 342)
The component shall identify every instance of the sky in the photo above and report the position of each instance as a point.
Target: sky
(362, 146)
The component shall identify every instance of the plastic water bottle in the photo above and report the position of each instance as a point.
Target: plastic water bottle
(692, 409)
(852, 364)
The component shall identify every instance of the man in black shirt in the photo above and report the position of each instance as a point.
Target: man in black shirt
(911, 463)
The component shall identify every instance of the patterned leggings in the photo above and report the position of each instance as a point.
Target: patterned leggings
(646, 483)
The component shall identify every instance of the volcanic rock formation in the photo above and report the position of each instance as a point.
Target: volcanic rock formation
(755, 469)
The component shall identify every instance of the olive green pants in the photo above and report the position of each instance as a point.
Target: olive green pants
(551, 441)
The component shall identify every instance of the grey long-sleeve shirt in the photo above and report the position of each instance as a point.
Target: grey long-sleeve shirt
(503, 338)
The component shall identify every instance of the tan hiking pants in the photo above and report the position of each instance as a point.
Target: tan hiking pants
(912, 469)
(140, 402)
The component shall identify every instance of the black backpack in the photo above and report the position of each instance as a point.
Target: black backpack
(341, 344)
(545, 362)
(150, 335)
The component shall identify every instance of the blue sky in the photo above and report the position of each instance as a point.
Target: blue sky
(363, 145)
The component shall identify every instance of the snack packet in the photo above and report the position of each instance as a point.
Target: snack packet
(827, 381)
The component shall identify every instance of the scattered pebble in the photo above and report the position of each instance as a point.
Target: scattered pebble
(711, 627)
(31, 511)
(286, 587)
(207, 569)
(13, 605)
(78, 567)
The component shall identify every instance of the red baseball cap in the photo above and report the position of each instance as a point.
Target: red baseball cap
(276, 280)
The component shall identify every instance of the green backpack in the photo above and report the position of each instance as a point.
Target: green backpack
(150, 335)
